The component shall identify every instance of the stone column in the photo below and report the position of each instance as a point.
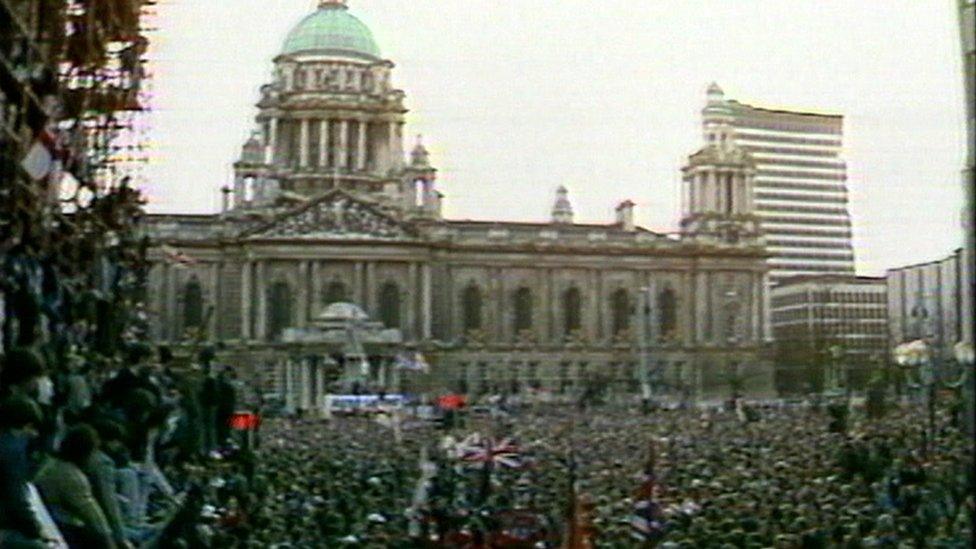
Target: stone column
(412, 290)
(701, 306)
(272, 144)
(592, 319)
(545, 305)
(166, 316)
(370, 303)
(757, 291)
(319, 385)
(246, 300)
(261, 319)
(214, 327)
(343, 149)
(701, 192)
(306, 384)
(323, 143)
(392, 161)
(711, 184)
(500, 305)
(302, 305)
(765, 309)
(653, 327)
(552, 313)
(398, 145)
(173, 303)
(606, 330)
(314, 297)
(361, 145)
(303, 143)
(426, 297)
(686, 195)
(358, 280)
(289, 386)
(717, 179)
(739, 192)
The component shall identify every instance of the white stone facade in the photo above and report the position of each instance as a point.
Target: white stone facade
(327, 208)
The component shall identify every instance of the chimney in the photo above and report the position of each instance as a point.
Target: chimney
(625, 215)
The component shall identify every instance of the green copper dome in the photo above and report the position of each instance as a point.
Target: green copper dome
(332, 29)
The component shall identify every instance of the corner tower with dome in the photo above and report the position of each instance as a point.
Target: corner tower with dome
(327, 208)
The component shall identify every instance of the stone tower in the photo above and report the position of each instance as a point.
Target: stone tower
(329, 119)
(718, 194)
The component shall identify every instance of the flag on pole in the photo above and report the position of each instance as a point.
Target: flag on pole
(647, 521)
(413, 363)
(478, 449)
(415, 513)
(177, 257)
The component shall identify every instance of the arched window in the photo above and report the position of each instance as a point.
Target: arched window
(334, 292)
(523, 310)
(471, 305)
(620, 311)
(279, 309)
(192, 305)
(571, 310)
(389, 300)
(667, 306)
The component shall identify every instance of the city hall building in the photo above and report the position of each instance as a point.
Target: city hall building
(330, 220)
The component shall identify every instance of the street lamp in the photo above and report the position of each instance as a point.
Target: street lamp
(918, 356)
(965, 356)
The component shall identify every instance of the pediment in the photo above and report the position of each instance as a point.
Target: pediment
(335, 215)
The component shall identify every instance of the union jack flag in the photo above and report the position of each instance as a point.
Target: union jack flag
(478, 449)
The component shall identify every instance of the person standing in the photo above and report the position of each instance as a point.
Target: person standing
(207, 398)
(226, 403)
(19, 421)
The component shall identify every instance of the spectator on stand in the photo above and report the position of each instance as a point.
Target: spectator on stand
(21, 373)
(68, 494)
(19, 421)
(101, 472)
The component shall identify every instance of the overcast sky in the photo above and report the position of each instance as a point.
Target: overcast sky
(603, 96)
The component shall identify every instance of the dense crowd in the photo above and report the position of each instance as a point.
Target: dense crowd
(779, 477)
(143, 456)
(113, 454)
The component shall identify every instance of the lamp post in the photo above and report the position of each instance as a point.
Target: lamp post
(917, 356)
(643, 316)
(965, 356)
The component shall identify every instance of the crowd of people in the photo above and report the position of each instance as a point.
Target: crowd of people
(776, 477)
(145, 457)
(113, 455)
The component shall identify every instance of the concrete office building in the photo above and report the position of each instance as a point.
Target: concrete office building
(924, 301)
(832, 318)
(801, 184)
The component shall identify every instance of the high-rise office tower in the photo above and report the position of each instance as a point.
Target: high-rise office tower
(800, 183)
